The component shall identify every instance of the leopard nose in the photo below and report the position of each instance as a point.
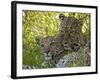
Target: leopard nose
(47, 51)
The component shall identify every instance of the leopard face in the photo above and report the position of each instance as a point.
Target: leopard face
(44, 44)
(51, 49)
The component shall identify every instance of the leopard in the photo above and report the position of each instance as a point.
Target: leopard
(71, 32)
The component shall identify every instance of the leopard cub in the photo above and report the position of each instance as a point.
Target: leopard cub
(51, 48)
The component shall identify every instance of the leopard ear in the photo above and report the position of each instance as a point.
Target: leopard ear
(61, 16)
(37, 39)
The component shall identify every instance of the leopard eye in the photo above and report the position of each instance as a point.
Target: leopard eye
(52, 43)
(75, 44)
(42, 45)
(65, 43)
